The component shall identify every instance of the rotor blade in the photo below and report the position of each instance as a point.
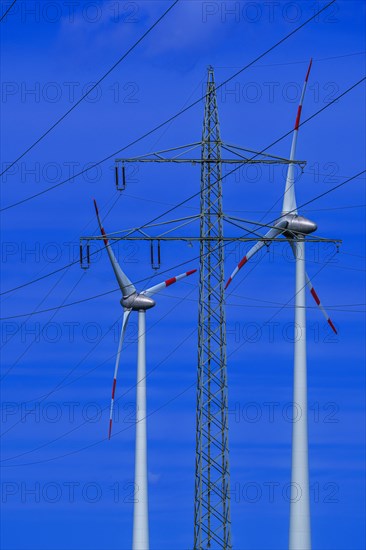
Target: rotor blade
(314, 294)
(272, 233)
(124, 282)
(154, 289)
(289, 199)
(318, 303)
(126, 315)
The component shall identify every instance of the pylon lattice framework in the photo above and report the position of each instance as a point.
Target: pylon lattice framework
(212, 525)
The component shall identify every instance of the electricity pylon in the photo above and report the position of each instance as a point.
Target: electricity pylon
(212, 524)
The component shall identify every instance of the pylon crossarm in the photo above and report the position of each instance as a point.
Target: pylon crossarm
(189, 238)
(184, 224)
(241, 160)
(132, 230)
(280, 160)
(187, 147)
(158, 156)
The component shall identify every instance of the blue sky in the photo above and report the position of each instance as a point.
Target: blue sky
(61, 363)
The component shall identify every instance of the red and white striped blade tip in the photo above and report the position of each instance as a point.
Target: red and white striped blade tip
(242, 262)
(114, 387)
(318, 303)
(96, 207)
(173, 280)
(228, 282)
(332, 326)
(309, 69)
(299, 109)
(112, 406)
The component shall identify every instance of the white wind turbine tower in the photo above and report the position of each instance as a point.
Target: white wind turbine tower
(140, 302)
(294, 228)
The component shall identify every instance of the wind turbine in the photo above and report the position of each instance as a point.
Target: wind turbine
(140, 302)
(294, 228)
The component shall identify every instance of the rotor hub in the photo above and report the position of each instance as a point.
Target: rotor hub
(299, 224)
(137, 302)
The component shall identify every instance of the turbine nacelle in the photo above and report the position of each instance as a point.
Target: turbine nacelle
(299, 224)
(137, 302)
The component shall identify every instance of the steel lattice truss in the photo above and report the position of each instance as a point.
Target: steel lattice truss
(212, 525)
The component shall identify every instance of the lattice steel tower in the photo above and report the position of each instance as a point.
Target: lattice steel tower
(212, 523)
